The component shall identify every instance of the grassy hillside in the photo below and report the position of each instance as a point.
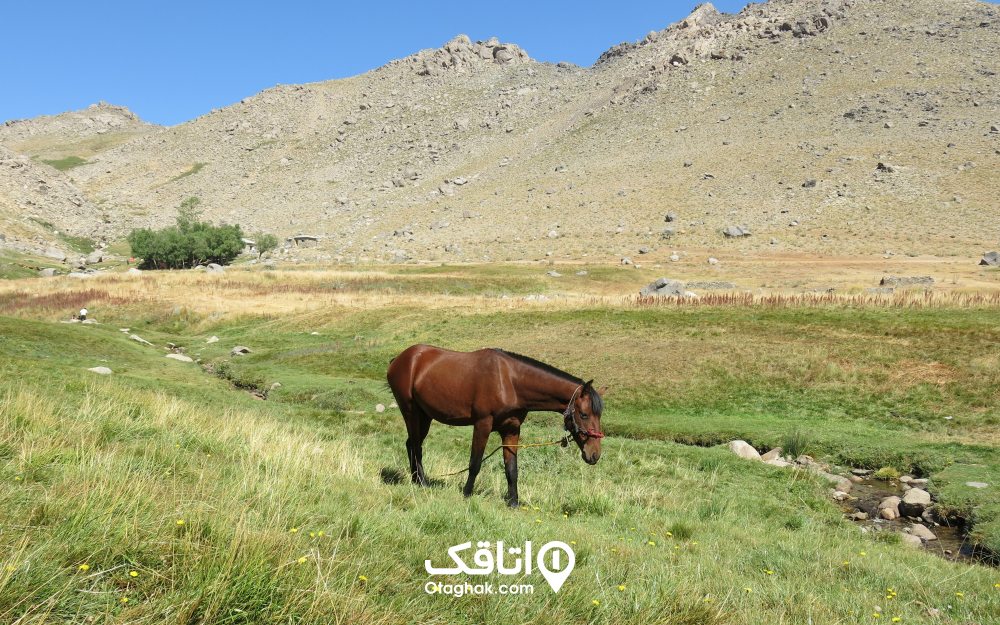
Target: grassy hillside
(164, 493)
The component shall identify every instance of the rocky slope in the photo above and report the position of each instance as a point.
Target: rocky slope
(830, 126)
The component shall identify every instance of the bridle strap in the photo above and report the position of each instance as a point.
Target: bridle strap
(569, 419)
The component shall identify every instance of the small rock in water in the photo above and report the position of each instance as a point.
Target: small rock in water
(860, 515)
(920, 531)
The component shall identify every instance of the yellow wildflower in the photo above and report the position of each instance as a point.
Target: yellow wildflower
(133, 573)
(180, 522)
(595, 602)
(302, 560)
(621, 586)
(362, 578)
(84, 567)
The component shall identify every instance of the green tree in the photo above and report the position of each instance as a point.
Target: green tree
(265, 243)
(189, 243)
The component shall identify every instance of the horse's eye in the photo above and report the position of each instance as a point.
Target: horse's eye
(584, 416)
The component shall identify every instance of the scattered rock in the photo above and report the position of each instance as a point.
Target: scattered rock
(214, 268)
(139, 339)
(626, 260)
(743, 449)
(713, 261)
(976, 484)
(212, 339)
(101, 370)
(95, 257)
(48, 272)
(55, 253)
(553, 274)
(735, 232)
(239, 350)
(379, 407)
(991, 259)
(180, 357)
(670, 217)
(910, 540)
(859, 516)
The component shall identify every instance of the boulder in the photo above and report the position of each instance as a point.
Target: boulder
(663, 287)
(212, 339)
(214, 268)
(860, 515)
(95, 257)
(910, 540)
(914, 502)
(778, 462)
(920, 531)
(139, 339)
(239, 350)
(180, 357)
(48, 272)
(101, 370)
(744, 449)
(991, 259)
(55, 253)
(735, 232)
(771, 455)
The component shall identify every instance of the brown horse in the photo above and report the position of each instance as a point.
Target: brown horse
(493, 391)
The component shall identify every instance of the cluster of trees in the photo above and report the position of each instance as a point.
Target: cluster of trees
(192, 242)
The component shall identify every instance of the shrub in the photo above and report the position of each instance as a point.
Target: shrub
(265, 243)
(887, 473)
(796, 443)
(189, 243)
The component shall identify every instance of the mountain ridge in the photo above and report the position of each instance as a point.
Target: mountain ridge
(836, 126)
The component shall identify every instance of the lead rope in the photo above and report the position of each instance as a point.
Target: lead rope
(564, 441)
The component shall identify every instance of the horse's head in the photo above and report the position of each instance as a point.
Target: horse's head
(583, 421)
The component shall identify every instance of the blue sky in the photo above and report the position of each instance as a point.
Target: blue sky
(172, 61)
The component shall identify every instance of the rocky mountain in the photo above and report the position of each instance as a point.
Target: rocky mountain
(821, 126)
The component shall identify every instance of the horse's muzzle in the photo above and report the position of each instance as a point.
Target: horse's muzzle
(590, 458)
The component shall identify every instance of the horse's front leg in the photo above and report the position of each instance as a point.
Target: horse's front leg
(480, 435)
(510, 441)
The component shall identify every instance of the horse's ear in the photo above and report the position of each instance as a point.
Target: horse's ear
(602, 391)
(589, 384)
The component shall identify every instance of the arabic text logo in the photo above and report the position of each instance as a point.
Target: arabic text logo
(555, 561)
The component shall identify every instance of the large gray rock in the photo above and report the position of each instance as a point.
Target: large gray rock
(95, 257)
(910, 540)
(735, 232)
(101, 370)
(663, 287)
(214, 268)
(48, 272)
(240, 350)
(914, 502)
(180, 357)
(56, 254)
(991, 259)
(744, 449)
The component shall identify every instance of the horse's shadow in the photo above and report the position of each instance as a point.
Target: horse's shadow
(393, 476)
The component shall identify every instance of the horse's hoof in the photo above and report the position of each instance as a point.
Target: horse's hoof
(513, 504)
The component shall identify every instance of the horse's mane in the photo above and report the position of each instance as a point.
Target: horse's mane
(596, 403)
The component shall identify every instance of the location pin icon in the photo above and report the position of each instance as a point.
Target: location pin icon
(557, 567)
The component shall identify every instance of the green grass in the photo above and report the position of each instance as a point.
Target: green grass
(98, 470)
(66, 163)
(194, 169)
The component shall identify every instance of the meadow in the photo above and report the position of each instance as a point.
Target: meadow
(174, 492)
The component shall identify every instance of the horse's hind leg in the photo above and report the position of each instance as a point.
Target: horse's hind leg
(417, 425)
